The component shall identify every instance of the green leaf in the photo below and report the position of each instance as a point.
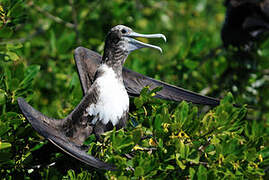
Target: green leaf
(53, 43)
(2, 97)
(192, 173)
(138, 101)
(155, 90)
(4, 145)
(71, 174)
(4, 128)
(123, 178)
(38, 146)
(5, 32)
(137, 134)
(202, 173)
(11, 56)
(144, 91)
(169, 167)
(158, 122)
(30, 74)
(228, 99)
(184, 112)
(190, 64)
(180, 163)
(14, 46)
(139, 171)
(215, 140)
(194, 157)
(90, 139)
(182, 149)
(65, 42)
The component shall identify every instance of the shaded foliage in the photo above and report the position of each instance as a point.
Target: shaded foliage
(163, 139)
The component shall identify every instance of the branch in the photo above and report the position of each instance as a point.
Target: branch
(54, 18)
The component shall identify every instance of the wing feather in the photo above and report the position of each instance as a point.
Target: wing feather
(44, 126)
(88, 61)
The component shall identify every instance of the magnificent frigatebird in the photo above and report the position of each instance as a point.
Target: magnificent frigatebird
(246, 21)
(105, 103)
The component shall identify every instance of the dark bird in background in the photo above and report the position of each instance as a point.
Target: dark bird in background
(246, 21)
(105, 104)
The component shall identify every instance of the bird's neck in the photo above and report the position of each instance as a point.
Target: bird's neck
(114, 61)
(114, 57)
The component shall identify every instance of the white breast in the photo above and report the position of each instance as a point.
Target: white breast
(113, 99)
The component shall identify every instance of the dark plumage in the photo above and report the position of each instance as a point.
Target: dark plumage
(246, 21)
(105, 102)
(87, 62)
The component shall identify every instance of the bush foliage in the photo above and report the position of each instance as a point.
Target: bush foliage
(164, 140)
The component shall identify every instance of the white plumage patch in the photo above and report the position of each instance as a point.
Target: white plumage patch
(113, 99)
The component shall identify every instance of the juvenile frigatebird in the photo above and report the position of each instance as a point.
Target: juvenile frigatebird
(105, 103)
(246, 21)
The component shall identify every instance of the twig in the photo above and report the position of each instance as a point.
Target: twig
(54, 18)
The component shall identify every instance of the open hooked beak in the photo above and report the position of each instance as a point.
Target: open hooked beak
(135, 44)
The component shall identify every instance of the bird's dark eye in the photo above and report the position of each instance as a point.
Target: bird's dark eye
(123, 31)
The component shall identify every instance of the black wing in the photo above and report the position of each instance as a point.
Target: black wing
(134, 83)
(87, 62)
(47, 128)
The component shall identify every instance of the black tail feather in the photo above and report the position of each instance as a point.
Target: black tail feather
(43, 125)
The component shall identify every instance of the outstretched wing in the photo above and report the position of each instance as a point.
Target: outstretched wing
(87, 62)
(134, 83)
(47, 128)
